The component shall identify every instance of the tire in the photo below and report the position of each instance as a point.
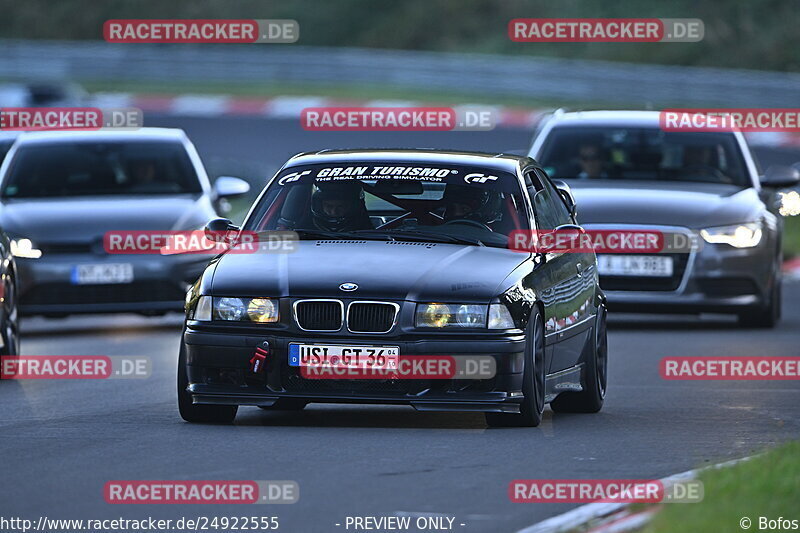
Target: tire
(203, 414)
(769, 315)
(10, 325)
(533, 381)
(595, 379)
(286, 404)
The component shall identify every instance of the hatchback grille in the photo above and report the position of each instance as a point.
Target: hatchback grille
(319, 315)
(371, 317)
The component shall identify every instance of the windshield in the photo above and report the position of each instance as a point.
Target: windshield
(100, 168)
(390, 201)
(643, 154)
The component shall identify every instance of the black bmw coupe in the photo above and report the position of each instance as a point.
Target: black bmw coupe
(399, 255)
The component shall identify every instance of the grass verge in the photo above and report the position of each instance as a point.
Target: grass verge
(767, 486)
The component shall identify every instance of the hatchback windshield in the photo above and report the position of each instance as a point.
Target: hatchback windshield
(643, 154)
(391, 201)
(100, 168)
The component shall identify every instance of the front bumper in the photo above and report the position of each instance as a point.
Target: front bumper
(218, 366)
(159, 284)
(714, 279)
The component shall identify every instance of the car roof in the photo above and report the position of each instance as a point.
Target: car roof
(607, 118)
(506, 162)
(141, 134)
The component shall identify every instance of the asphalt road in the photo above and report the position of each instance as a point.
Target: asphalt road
(61, 441)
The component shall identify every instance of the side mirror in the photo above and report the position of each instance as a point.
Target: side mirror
(221, 230)
(780, 177)
(566, 194)
(228, 187)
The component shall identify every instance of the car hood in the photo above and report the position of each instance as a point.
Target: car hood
(691, 205)
(86, 219)
(383, 270)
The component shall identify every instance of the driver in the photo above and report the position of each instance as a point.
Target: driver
(463, 202)
(339, 207)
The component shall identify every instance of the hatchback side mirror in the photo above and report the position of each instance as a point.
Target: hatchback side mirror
(221, 230)
(780, 177)
(566, 194)
(228, 187)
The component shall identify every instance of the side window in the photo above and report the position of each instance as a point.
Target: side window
(549, 201)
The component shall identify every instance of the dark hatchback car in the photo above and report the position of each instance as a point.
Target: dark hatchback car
(62, 192)
(405, 252)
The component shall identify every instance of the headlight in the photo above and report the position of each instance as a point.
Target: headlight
(738, 236)
(500, 317)
(262, 310)
(203, 309)
(436, 315)
(24, 248)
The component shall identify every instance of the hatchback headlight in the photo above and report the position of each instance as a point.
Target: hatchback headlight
(261, 310)
(739, 235)
(24, 248)
(436, 315)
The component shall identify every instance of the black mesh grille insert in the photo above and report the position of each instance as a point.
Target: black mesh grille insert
(370, 317)
(319, 315)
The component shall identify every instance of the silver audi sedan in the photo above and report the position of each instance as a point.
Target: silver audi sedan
(626, 172)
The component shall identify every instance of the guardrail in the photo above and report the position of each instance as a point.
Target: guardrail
(624, 84)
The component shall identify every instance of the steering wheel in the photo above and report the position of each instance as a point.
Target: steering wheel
(467, 222)
(705, 171)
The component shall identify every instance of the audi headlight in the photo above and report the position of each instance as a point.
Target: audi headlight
(739, 235)
(437, 315)
(261, 310)
(25, 248)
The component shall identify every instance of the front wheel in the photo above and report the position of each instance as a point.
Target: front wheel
(10, 326)
(591, 398)
(199, 413)
(533, 381)
(768, 316)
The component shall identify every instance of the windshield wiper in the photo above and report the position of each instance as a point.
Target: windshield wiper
(419, 235)
(323, 234)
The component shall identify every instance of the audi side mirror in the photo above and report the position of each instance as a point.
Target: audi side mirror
(780, 177)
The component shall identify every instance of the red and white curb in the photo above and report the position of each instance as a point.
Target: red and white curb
(290, 107)
(281, 107)
(614, 517)
(791, 269)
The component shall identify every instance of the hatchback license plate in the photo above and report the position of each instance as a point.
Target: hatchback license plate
(102, 273)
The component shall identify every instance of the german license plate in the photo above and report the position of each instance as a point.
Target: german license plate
(635, 265)
(95, 274)
(339, 356)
